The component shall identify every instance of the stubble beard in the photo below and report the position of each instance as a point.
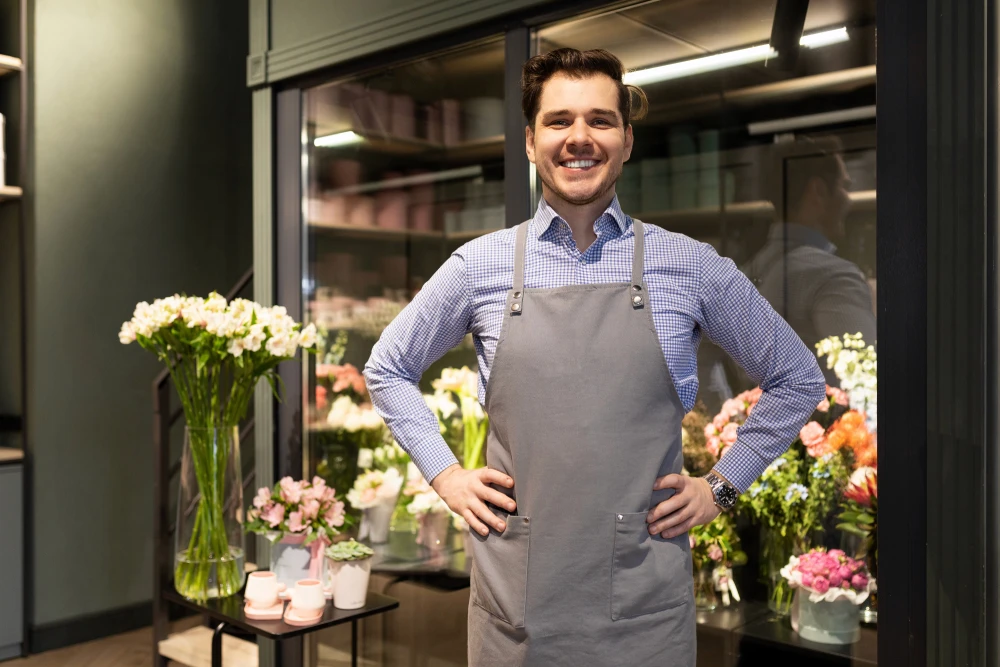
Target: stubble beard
(607, 187)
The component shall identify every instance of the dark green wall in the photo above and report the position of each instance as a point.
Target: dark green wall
(141, 188)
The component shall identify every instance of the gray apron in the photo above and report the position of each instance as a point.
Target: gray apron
(584, 417)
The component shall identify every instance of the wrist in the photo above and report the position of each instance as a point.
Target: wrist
(724, 493)
(442, 476)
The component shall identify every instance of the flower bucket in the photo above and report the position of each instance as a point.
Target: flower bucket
(433, 532)
(349, 580)
(292, 559)
(375, 522)
(827, 621)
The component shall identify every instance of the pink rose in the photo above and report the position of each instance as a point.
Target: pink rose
(291, 491)
(731, 408)
(824, 405)
(273, 514)
(310, 509)
(807, 580)
(711, 430)
(715, 553)
(754, 395)
(836, 579)
(712, 445)
(812, 435)
(859, 582)
(262, 498)
(839, 395)
(845, 572)
(728, 435)
(821, 585)
(295, 522)
(335, 514)
(836, 553)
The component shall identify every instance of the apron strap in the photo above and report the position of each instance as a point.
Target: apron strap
(636, 294)
(517, 293)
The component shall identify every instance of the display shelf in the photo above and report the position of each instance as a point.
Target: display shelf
(9, 455)
(476, 149)
(407, 181)
(10, 65)
(381, 233)
(766, 632)
(193, 648)
(9, 192)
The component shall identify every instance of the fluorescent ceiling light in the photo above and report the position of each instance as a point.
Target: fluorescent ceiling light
(812, 120)
(339, 139)
(717, 61)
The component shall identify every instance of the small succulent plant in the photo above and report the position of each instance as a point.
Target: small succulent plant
(349, 550)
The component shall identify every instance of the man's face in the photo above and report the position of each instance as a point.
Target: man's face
(578, 144)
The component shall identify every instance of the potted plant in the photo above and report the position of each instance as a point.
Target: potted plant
(829, 586)
(216, 352)
(349, 568)
(375, 493)
(300, 519)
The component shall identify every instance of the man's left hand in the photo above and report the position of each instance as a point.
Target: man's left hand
(692, 504)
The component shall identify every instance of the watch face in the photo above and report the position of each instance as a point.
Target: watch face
(726, 495)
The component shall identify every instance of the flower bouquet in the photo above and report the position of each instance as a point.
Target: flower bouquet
(349, 568)
(215, 352)
(375, 493)
(300, 519)
(463, 384)
(431, 512)
(829, 588)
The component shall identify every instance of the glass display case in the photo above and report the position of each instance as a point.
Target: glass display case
(766, 153)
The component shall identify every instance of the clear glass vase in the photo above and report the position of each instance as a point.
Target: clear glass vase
(705, 597)
(208, 550)
(776, 550)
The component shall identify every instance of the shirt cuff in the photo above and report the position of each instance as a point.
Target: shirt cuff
(431, 460)
(741, 465)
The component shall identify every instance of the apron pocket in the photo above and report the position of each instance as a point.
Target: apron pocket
(500, 570)
(648, 573)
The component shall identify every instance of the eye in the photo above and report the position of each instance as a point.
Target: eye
(602, 121)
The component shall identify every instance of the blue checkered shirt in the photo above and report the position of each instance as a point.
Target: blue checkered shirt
(691, 290)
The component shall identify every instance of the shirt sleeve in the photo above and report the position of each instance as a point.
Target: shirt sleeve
(739, 320)
(434, 322)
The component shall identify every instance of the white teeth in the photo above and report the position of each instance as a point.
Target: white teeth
(579, 164)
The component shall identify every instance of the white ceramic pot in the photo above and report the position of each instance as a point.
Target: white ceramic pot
(349, 580)
(836, 622)
(376, 520)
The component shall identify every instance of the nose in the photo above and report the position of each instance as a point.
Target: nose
(579, 134)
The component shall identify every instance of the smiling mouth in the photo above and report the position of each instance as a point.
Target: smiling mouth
(579, 165)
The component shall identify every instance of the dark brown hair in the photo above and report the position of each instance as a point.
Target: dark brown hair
(578, 64)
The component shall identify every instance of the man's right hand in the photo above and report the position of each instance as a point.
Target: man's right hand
(466, 492)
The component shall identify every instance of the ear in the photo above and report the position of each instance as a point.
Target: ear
(628, 142)
(529, 143)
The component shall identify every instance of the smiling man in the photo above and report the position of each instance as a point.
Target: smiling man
(587, 325)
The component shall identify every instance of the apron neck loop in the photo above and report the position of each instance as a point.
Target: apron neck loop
(516, 299)
(636, 294)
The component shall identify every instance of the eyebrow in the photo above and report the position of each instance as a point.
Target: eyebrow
(549, 115)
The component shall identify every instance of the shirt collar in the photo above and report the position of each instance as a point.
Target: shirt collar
(800, 235)
(546, 216)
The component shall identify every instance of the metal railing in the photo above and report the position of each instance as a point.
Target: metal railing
(167, 424)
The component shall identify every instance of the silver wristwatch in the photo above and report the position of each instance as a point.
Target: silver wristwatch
(725, 493)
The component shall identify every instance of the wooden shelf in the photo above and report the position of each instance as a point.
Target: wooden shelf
(10, 192)
(356, 231)
(10, 65)
(194, 648)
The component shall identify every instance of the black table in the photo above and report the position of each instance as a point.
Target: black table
(228, 612)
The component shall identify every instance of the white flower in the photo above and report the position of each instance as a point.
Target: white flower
(236, 347)
(127, 333)
(339, 411)
(426, 502)
(462, 381)
(375, 487)
(441, 403)
(307, 337)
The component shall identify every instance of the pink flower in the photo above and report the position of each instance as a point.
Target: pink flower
(335, 514)
(717, 424)
(824, 405)
(859, 582)
(291, 491)
(754, 395)
(310, 509)
(329, 495)
(839, 395)
(821, 585)
(368, 496)
(836, 553)
(807, 580)
(728, 435)
(295, 522)
(318, 489)
(715, 553)
(836, 579)
(273, 514)
(262, 498)
(321, 401)
(731, 408)
(845, 572)
(813, 437)
(712, 444)
(691, 541)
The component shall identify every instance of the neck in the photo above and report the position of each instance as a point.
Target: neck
(579, 217)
